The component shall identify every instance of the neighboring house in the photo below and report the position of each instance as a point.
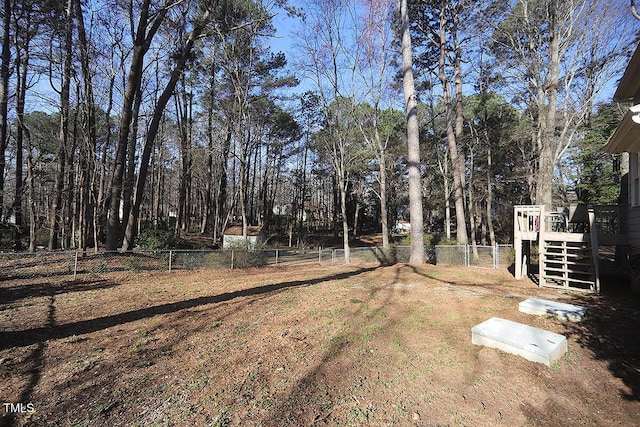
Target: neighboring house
(626, 139)
(232, 238)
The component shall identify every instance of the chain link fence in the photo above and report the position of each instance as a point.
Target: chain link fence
(70, 264)
(498, 256)
(372, 254)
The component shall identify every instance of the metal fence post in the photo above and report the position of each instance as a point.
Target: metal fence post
(276, 256)
(333, 256)
(466, 255)
(496, 255)
(232, 259)
(319, 255)
(170, 259)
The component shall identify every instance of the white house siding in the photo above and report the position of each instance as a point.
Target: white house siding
(634, 244)
(634, 227)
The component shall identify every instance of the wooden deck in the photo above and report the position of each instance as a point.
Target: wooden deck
(568, 241)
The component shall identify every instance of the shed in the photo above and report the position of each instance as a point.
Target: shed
(232, 238)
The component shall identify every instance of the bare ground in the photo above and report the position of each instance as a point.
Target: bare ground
(310, 345)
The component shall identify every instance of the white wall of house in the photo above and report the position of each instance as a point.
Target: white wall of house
(634, 199)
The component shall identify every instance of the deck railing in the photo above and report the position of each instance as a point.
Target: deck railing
(527, 218)
(610, 222)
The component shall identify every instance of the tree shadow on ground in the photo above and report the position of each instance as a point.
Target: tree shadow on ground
(34, 366)
(314, 386)
(610, 331)
(10, 339)
(33, 290)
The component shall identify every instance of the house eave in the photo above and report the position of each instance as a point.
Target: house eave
(629, 85)
(626, 137)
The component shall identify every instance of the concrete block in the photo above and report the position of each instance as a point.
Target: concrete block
(531, 343)
(560, 310)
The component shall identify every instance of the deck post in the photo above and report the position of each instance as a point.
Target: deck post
(517, 245)
(541, 257)
(526, 227)
(595, 249)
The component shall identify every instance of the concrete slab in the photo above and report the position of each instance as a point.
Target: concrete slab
(531, 343)
(560, 310)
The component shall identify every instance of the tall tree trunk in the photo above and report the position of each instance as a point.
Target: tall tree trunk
(335, 206)
(22, 63)
(413, 141)
(444, 170)
(544, 184)
(87, 183)
(356, 216)
(130, 172)
(156, 185)
(457, 75)
(457, 163)
(132, 222)
(472, 207)
(115, 189)
(209, 178)
(4, 96)
(181, 106)
(69, 219)
(342, 185)
(26, 33)
(221, 191)
(142, 40)
(31, 194)
(303, 197)
(492, 233)
(100, 216)
(384, 219)
(56, 206)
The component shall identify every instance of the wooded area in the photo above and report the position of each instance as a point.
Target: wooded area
(122, 117)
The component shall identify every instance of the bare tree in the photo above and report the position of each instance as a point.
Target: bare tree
(148, 24)
(55, 219)
(556, 58)
(87, 197)
(4, 95)
(331, 60)
(23, 39)
(152, 131)
(438, 25)
(413, 140)
(374, 71)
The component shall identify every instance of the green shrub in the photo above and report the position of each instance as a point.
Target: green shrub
(154, 239)
(131, 263)
(217, 260)
(246, 259)
(446, 241)
(221, 259)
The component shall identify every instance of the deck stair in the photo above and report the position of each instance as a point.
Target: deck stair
(567, 239)
(567, 260)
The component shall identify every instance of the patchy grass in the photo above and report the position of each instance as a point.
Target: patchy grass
(355, 345)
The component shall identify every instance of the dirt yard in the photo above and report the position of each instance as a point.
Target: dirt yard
(311, 345)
